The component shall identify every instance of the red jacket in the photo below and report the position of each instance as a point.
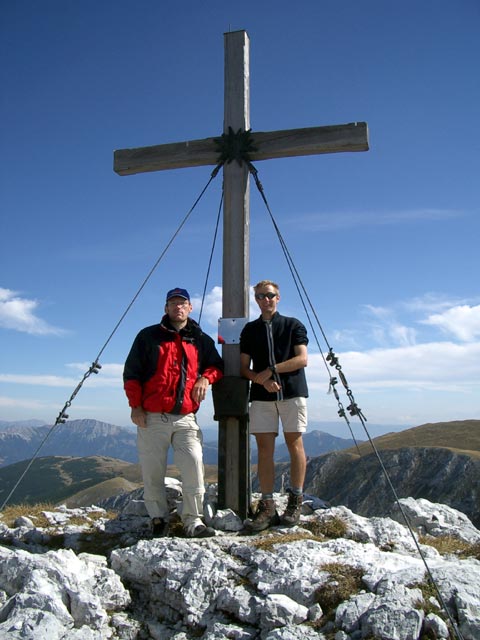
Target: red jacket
(163, 365)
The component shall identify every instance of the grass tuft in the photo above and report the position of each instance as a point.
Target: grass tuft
(90, 539)
(267, 540)
(343, 581)
(331, 528)
(35, 512)
(451, 545)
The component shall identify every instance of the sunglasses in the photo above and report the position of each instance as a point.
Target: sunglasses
(262, 296)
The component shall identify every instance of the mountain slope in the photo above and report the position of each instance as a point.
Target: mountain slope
(458, 435)
(439, 462)
(76, 481)
(54, 479)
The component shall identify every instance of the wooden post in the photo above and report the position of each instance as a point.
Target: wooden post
(233, 440)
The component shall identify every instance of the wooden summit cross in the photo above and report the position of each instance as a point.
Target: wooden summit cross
(234, 453)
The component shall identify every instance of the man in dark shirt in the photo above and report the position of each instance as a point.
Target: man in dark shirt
(273, 356)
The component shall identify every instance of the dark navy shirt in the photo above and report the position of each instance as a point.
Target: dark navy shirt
(269, 343)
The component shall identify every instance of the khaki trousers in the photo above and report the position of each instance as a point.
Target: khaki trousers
(184, 435)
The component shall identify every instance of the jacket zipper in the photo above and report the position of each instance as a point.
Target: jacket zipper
(271, 358)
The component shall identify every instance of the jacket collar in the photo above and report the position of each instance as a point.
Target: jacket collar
(191, 328)
(272, 319)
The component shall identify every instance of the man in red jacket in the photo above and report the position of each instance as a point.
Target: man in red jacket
(166, 376)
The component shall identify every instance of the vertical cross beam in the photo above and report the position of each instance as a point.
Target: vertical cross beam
(233, 439)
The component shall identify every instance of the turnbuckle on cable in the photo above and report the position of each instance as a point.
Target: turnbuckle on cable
(62, 416)
(353, 408)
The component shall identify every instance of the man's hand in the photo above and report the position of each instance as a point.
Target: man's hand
(271, 386)
(266, 380)
(263, 376)
(139, 417)
(199, 390)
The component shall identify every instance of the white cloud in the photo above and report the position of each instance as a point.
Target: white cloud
(462, 322)
(212, 309)
(12, 403)
(378, 312)
(108, 370)
(434, 365)
(38, 380)
(457, 320)
(431, 303)
(19, 314)
(110, 375)
(403, 335)
(346, 337)
(386, 328)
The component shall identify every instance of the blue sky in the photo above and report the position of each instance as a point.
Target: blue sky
(386, 241)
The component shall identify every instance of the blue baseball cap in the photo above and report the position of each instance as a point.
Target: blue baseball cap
(178, 293)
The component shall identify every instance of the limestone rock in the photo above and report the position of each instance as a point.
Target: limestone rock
(263, 587)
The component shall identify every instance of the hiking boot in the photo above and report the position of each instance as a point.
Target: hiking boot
(265, 516)
(159, 528)
(292, 513)
(200, 531)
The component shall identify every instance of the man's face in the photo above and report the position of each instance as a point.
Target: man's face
(178, 309)
(267, 298)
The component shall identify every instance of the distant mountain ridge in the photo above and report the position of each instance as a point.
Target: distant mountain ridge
(6, 425)
(84, 438)
(80, 438)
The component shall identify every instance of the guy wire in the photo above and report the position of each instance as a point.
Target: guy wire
(211, 257)
(298, 283)
(62, 416)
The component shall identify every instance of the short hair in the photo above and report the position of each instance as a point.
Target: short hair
(266, 283)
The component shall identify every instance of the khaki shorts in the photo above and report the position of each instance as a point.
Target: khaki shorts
(265, 415)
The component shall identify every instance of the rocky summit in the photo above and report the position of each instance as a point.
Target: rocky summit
(86, 574)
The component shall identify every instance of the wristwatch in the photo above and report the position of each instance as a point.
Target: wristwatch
(273, 368)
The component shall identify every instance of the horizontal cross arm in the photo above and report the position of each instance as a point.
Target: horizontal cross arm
(176, 155)
(310, 141)
(272, 144)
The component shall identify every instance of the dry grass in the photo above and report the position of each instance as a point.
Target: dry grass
(331, 528)
(320, 531)
(451, 545)
(429, 595)
(267, 540)
(343, 581)
(90, 540)
(36, 514)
